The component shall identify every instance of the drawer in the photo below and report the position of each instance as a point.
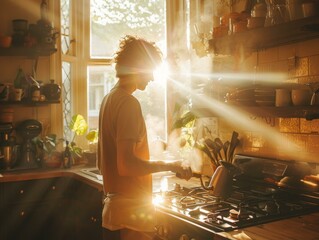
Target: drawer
(34, 190)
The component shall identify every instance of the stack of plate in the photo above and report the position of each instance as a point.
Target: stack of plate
(265, 96)
(244, 96)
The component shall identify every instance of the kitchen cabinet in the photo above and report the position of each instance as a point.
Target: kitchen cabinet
(53, 208)
(266, 37)
(86, 211)
(33, 209)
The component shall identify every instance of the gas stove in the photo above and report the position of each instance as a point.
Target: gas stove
(260, 194)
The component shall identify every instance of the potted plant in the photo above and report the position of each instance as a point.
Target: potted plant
(47, 148)
(199, 139)
(90, 155)
(79, 126)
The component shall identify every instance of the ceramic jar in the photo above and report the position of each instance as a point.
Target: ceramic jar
(52, 91)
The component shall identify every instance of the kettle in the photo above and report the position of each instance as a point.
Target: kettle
(220, 184)
(52, 91)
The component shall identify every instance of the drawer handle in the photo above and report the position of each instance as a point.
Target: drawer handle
(22, 213)
(21, 191)
(53, 188)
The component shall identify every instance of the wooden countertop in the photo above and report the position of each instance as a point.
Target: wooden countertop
(296, 228)
(74, 172)
(302, 227)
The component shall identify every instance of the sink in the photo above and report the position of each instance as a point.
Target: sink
(93, 172)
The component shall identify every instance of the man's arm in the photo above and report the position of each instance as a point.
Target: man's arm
(129, 165)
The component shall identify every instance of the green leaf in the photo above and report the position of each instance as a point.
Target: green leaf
(184, 120)
(78, 125)
(77, 151)
(92, 136)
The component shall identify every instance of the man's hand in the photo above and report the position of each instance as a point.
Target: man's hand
(183, 172)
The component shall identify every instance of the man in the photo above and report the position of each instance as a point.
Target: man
(123, 154)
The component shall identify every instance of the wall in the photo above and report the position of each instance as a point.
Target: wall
(284, 138)
(9, 65)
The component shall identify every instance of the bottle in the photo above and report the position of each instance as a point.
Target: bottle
(44, 11)
(19, 79)
(67, 156)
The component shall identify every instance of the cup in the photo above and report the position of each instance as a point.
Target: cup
(301, 97)
(36, 95)
(283, 97)
(18, 94)
(294, 9)
(309, 9)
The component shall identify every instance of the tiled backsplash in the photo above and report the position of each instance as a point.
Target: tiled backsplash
(285, 138)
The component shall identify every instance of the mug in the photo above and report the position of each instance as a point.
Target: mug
(17, 94)
(283, 97)
(36, 95)
(309, 9)
(301, 97)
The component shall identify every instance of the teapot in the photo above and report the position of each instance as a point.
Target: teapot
(52, 91)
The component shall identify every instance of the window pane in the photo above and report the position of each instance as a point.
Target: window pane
(153, 106)
(101, 79)
(111, 19)
(66, 98)
(65, 26)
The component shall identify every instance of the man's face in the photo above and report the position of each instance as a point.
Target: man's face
(143, 80)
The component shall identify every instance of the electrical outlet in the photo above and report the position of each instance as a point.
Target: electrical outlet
(211, 123)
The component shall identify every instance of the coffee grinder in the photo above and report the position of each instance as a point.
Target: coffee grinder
(28, 130)
(5, 145)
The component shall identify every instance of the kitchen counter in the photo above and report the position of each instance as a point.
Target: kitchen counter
(302, 227)
(74, 172)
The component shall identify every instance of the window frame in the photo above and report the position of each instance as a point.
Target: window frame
(80, 57)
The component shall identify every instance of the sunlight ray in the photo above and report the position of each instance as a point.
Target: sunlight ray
(241, 119)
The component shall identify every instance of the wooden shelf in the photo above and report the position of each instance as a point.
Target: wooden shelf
(307, 112)
(266, 37)
(28, 52)
(28, 103)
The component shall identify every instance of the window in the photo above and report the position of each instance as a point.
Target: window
(111, 20)
(67, 63)
(87, 51)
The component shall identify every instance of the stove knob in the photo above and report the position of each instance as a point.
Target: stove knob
(184, 237)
